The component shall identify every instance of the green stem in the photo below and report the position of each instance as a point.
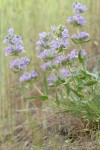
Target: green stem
(80, 47)
(38, 89)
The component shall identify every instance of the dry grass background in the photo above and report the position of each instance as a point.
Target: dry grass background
(28, 18)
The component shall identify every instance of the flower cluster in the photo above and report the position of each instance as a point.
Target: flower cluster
(48, 54)
(58, 42)
(80, 38)
(43, 43)
(79, 8)
(78, 19)
(20, 64)
(61, 35)
(53, 46)
(72, 54)
(59, 77)
(28, 76)
(15, 44)
(65, 71)
(14, 48)
(60, 59)
(46, 65)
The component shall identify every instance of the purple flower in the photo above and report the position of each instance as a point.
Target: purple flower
(83, 35)
(20, 48)
(11, 31)
(65, 73)
(41, 45)
(74, 37)
(19, 64)
(73, 54)
(9, 50)
(15, 64)
(28, 76)
(77, 20)
(79, 8)
(16, 40)
(60, 59)
(60, 31)
(80, 38)
(52, 79)
(48, 54)
(64, 43)
(23, 62)
(83, 52)
(25, 77)
(34, 74)
(46, 65)
(60, 43)
(12, 38)
(15, 44)
(65, 33)
(55, 44)
(53, 28)
(44, 35)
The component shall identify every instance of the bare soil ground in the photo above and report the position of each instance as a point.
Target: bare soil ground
(49, 131)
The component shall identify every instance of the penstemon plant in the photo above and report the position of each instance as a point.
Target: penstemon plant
(68, 83)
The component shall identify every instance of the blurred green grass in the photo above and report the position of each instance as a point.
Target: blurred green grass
(28, 18)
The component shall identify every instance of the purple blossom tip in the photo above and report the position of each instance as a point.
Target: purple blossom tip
(83, 52)
(15, 44)
(79, 8)
(46, 65)
(65, 33)
(19, 64)
(73, 54)
(11, 31)
(48, 54)
(28, 76)
(77, 20)
(52, 79)
(65, 73)
(25, 77)
(34, 74)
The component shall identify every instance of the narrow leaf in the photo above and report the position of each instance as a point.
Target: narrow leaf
(46, 85)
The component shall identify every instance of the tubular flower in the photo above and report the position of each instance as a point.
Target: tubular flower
(77, 20)
(28, 76)
(19, 64)
(15, 44)
(79, 8)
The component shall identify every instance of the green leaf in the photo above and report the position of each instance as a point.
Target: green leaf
(81, 59)
(77, 93)
(91, 82)
(43, 97)
(57, 99)
(86, 73)
(32, 97)
(67, 89)
(46, 85)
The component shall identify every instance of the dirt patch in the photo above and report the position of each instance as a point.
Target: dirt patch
(50, 131)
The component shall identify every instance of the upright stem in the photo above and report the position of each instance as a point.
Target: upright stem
(80, 47)
(38, 89)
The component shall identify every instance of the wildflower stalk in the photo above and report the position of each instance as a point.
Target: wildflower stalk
(76, 88)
